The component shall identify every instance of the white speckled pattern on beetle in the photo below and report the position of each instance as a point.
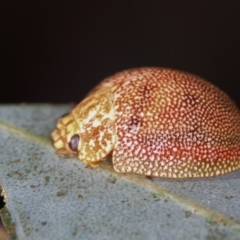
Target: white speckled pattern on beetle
(156, 122)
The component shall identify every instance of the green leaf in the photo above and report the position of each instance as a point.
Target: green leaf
(54, 197)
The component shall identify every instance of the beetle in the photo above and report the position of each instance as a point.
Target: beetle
(156, 122)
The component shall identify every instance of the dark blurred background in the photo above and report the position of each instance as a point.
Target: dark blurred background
(56, 51)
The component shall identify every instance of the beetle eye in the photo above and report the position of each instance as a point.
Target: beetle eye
(73, 144)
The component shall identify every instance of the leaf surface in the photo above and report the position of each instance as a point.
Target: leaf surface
(54, 197)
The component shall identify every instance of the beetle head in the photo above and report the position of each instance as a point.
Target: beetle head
(66, 137)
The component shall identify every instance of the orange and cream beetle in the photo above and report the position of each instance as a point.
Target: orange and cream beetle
(156, 122)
